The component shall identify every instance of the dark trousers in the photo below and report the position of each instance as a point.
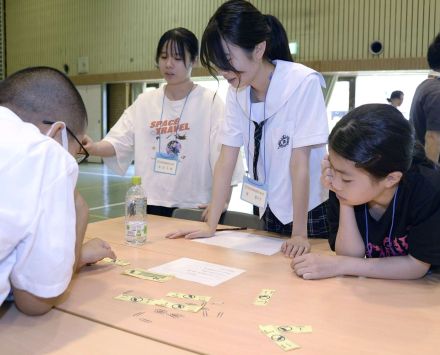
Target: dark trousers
(160, 210)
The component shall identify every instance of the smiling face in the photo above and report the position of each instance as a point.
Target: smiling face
(246, 64)
(174, 67)
(354, 186)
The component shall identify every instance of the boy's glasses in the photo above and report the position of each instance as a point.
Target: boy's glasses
(83, 153)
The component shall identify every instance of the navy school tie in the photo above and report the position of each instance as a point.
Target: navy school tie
(257, 140)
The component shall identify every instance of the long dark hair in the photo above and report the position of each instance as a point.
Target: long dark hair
(179, 39)
(242, 24)
(378, 139)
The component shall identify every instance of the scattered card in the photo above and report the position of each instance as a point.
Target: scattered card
(118, 262)
(159, 302)
(146, 275)
(135, 299)
(188, 296)
(296, 329)
(181, 306)
(264, 297)
(278, 339)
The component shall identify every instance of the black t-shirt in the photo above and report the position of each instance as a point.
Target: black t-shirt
(425, 108)
(416, 228)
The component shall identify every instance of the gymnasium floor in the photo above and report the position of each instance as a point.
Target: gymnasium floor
(105, 192)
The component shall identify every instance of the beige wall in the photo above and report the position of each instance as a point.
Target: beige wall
(119, 36)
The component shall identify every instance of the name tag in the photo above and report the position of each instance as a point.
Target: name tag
(165, 164)
(254, 192)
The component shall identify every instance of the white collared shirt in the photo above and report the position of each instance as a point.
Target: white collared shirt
(37, 210)
(296, 117)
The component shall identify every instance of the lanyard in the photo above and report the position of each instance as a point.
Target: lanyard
(180, 116)
(369, 251)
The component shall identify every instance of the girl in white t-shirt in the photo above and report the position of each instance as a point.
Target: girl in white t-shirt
(169, 132)
(275, 109)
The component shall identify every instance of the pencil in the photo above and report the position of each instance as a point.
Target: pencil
(230, 229)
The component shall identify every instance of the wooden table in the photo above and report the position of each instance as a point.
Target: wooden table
(58, 332)
(349, 315)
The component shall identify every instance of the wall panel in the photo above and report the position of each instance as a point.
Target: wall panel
(119, 36)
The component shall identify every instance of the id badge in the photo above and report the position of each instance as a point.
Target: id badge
(165, 164)
(254, 192)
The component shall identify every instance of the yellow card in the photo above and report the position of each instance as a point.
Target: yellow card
(159, 302)
(188, 296)
(264, 297)
(118, 262)
(180, 306)
(146, 275)
(278, 339)
(296, 329)
(135, 299)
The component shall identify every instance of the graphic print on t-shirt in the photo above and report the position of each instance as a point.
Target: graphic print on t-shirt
(399, 248)
(170, 133)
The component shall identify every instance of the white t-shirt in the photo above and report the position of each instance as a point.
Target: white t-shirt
(37, 210)
(190, 134)
(295, 117)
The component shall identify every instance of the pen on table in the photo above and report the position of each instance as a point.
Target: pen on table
(230, 229)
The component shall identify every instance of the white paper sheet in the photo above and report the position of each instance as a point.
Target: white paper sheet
(198, 271)
(244, 242)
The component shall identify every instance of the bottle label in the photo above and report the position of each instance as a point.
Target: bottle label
(136, 232)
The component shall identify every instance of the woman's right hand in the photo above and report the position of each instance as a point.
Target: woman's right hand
(204, 232)
(326, 173)
(89, 144)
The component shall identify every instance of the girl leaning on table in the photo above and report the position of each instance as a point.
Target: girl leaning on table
(275, 109)
(384, 204)
(170, 132)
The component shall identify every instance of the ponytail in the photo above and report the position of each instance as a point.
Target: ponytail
(242, 24)
(278, 43)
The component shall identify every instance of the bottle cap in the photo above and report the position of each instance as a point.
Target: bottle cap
(136, 180)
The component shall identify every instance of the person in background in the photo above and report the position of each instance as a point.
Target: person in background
(175, 127)
(384, 203)
(425, 107)
(433, 74)
(43, 218)
(396, 98)
(275, 110)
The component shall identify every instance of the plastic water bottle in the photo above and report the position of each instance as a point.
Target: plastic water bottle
(135, 213)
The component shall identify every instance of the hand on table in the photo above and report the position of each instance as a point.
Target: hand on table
(316, 266)
(95, 250)
(296, 246)
(203, 232)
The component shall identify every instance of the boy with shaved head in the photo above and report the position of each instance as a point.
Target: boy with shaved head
(43, 218)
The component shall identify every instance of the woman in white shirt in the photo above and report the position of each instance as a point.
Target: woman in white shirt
(275, 109)
(171, 132)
